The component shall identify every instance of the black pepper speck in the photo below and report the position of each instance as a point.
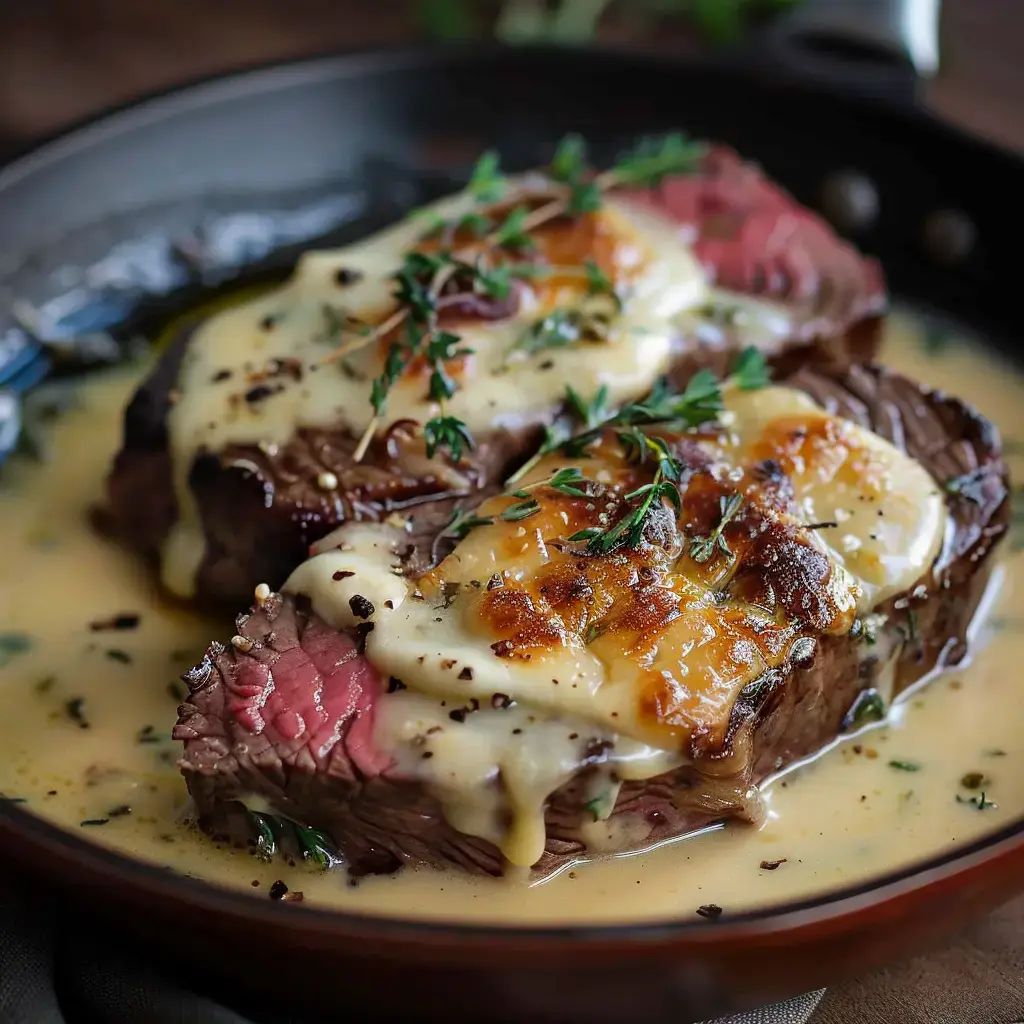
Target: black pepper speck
(362, 608)
(347, 275)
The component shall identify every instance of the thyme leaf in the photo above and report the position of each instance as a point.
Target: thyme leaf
(868, 707)
(513, 233)
(980, 802)
(591, 413)
(751, 371)
(702, 548)
(521, 510)
(313, 845)
(13, 644)
(447, 432)
(599, 283)
(569, 163)
(487, 184)
(569, 481)
(629, 529)
(654, 159)
(463, 521)
(602, 805)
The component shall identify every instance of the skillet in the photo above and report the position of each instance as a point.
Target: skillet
(144, 206)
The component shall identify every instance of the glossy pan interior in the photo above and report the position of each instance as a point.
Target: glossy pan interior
(194, 186)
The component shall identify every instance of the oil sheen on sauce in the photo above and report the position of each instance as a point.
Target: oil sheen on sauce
(87, 698)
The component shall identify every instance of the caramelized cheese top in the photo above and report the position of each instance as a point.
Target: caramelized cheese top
(657, 641)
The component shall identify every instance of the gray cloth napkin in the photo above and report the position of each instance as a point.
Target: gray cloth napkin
(59, 967)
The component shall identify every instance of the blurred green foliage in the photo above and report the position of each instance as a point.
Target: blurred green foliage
(578, 21)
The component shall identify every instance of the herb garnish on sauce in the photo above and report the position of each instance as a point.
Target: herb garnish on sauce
(13, 644)
(979, 802)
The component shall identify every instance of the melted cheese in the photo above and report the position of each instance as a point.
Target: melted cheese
(889, 513)
(295, 326)
(494, 769)
(648, 648)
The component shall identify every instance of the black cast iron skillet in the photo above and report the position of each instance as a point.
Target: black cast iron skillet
(145, 204)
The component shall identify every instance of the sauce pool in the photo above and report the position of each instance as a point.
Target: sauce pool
(88, 698)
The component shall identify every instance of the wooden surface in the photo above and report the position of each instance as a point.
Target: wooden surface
(61, 60)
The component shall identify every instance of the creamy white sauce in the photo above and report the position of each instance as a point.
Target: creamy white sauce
(846, 818)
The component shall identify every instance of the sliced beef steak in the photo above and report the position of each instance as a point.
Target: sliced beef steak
(286, 713)
(260, 508)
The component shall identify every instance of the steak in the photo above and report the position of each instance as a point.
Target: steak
(285, 714)
(260, 510)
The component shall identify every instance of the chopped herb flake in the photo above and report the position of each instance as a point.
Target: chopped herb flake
(750, 371)
(905, 766)
(979, 802)
(75, 710)
(868, 707)
(488, 184)
(13, 644)
(602, 805)
(656, 158)
(521, 510)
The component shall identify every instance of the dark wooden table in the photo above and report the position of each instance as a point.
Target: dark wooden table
(63, 59)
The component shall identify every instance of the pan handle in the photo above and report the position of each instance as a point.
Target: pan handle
(880, 49)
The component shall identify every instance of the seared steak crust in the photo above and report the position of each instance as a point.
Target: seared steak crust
(261, 511)
(289, 716)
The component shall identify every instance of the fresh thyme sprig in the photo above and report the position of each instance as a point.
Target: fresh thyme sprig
(313, 845)
(463, 521)
(578, 189)
(700, 402)
(629, 529)
(702, 548)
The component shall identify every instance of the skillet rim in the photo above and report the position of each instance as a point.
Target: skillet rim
(68, 853)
